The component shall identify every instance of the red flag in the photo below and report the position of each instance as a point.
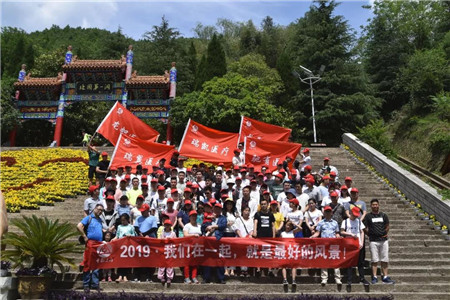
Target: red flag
(121, 120)
(133, 151)
(271, 153)
(208, 144)
(260, 130)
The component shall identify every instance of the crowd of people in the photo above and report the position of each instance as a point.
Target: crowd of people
(240, 202)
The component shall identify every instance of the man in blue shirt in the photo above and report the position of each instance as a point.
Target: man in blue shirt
(145, 225)
(93, 225)
(328, 228)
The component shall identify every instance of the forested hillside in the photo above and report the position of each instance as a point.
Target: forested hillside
(393, 77)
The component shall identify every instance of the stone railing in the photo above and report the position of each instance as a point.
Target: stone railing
(413, 187)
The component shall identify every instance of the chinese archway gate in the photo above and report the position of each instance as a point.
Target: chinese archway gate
(92, 80)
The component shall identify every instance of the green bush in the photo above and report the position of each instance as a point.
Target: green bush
(375, 134)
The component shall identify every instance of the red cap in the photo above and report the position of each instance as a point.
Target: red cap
(92, 188)
(327, 208)
(295, 201)
(326, 177)
(187, 202)
(161, 188)
(280, 163)
(195, 186)
(108, 179)
(113, 169)
(253, 181)
(170, 200)
(243, 170)
(283, 171)
(188, 183)
(224, 196)
(266, 192)
(333, 194)
(356, 211)
(221, 165)
(110, 197)
(218, 205)
(160, 172)
(354, 190)
(144, 207)
(237, 150)
(326, 158)
(187, 190)
(333, 173)
(168, 222)
(144, 177)
(173, 191)
(280, 176)
(250, 166)
(127, 176)
(306, 150)
(208, 204)
(310, 180)
(123, 180)
(348, 178)
(140, 197)
(188, 170)
(260, 175)
(273, 202)
(192, 212)
(104, 153)
(294, 171)
(236, 168)
(308, 167)
(238, 178)
(344, 187)
(154, 180)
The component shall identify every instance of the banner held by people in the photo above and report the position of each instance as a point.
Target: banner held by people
(207, 144)
(136, 252)
(121, 120)
(259, 130)
(269, 153)
(133, 151)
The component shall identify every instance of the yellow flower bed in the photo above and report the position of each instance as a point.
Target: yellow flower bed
(33, 177)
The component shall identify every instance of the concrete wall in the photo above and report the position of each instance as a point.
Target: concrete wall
(412, 186)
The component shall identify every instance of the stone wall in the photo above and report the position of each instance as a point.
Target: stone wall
(412, 186)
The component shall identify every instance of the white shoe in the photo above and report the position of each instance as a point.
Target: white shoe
(338, 282)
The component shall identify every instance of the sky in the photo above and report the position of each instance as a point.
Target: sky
(137, 17)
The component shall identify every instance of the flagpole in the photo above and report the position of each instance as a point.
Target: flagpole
(185, 131)
(245, 147)
(113, 155)
(240, 129)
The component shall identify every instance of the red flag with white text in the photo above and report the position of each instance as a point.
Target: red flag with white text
(121, 120)
(133, 151)
(259, 130)
(270, 153)
(207, 144)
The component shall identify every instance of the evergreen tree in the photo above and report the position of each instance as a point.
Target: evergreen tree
(216, 64)
(250, 39)
(200, 76)
(270, 42)
(325, 39)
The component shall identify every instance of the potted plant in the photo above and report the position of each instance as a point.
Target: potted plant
(41, 245)
(444, 230)
(437, 225)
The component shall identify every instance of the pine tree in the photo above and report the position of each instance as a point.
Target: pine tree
(216, 64)
(200, 76)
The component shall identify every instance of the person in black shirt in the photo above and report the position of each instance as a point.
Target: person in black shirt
(102, 168)
(264, 225)
(377, 228)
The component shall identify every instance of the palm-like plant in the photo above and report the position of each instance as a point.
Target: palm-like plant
(43, 243)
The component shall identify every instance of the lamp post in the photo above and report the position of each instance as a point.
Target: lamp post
(311, 79)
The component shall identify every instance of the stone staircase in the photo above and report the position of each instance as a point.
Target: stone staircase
(419, 256)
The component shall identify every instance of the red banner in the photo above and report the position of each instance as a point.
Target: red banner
(259, 130)
(133, 252)
(121, 120)
(207, 144)
(133, 151)
(270, 153)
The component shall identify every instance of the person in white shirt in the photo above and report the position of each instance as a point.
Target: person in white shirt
(306, 160)
(295, 215)
(159, 203)
(333, 195)
(301, 197)
(327, 168)
(247, 201)
(353, 228)
(285, 206)
(244, 229)
(312, 217)
(345, 195)
(236, 160)
(290, 231)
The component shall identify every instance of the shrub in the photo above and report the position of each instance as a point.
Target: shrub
(375, 134)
